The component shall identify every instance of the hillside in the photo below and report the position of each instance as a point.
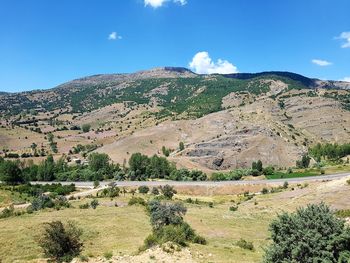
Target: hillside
(225, 121)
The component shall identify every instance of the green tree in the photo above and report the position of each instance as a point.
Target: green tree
(46, 170)
(60, 242)
(99, 162)
(304, 162)
(181, 146)
(10, 172)
(311, 234)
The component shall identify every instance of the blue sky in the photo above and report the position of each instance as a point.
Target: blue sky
(45, 43)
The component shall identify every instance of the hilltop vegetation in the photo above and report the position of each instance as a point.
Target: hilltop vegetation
(200, 122)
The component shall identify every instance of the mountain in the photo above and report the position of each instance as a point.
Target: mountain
(226, 121)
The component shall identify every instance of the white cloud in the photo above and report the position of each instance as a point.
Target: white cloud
(345, 36)
(203, 64)
(322, 63)
(159, 3)
(180, 2)
(114, 36)
(347, 79)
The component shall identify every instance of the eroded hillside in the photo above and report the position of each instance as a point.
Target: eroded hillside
(224, 122)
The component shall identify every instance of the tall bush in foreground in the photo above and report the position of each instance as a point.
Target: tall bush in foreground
(60, 242)
(311, 234)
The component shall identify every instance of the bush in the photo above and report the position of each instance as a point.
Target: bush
(181, 146)
(143, 189)
(245, 244)
(264, 191)
(7, 212)
(233, 208)
(343, 213)
(111, 192)
(348, 182)
(155, 191)
(94, 203)
(137, 201)
(164, 213)
(311, 234)
(179, 234)
(168, 191)
(96, 184)
(84, 206)
(60, 242)
(108, 255)
(86, 127)
(285, 185)
(42, 202)
(268, 170)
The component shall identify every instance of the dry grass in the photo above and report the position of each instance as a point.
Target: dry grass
(122, 229)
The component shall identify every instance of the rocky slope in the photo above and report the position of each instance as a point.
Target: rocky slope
(225, 121)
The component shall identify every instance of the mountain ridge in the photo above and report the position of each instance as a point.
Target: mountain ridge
(310, 82)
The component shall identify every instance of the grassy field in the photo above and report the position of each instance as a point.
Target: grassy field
(310, 172)
(8, 197)
(121, 230)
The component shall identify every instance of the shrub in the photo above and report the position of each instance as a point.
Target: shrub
(96, 184)
(94, 203)
(111, 192)
(181, 146)
(343, 213)
(179, 234)
(242, 243)
(164, 213)
(255, 172)
(233, 208)
(137, 201)
(264, 191)
(348, 182)
(143, 189)
(86, 127)
(84, 206)
(7, 212)
(42, 202)
(168, 191)
(311, 234)
(108, 255)
(60, 242)
(268, 170)
(155, 191)
(285, 185)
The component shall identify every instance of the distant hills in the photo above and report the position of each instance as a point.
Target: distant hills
(181, 85)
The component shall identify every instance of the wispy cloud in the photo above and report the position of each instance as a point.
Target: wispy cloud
(203, 64)
(114, 36)
(180, 2)
(345, 37)
(159, 3)
(322, 63)
(347, 79)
